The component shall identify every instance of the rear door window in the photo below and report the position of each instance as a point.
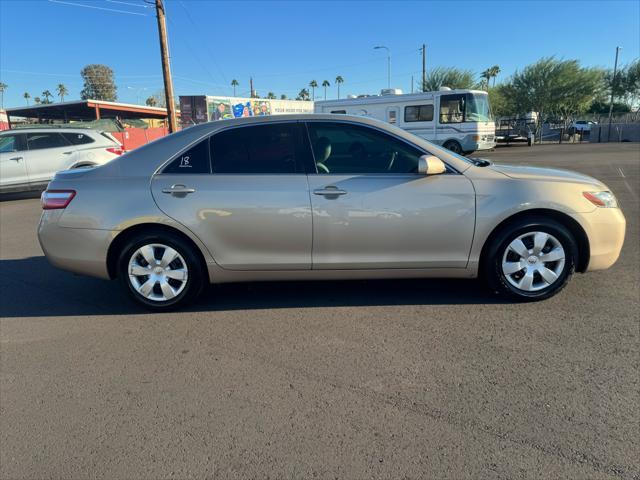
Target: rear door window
(257, 149)
(77, 138)
(41, 140)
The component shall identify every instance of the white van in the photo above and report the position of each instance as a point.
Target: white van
(460, 120)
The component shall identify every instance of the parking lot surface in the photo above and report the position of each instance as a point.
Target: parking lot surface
(365, 379)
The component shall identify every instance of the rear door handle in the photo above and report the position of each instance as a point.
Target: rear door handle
(17, 159)
(67, 153)
(178, 189)
(330, 191)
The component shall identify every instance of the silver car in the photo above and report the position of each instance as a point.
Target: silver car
(30, 157)
(308, 197)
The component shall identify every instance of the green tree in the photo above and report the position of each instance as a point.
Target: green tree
(271, 96)
(501, 101)
(338, 82)
(151, 101)
(98, 83)
(448, 77)
(283, 97)
(37, 100)
(3, 88)
(486, 76)
(62, 91)
(234, 84)
(303, 95)
(47, 94)
(313, 84)
(494, 71)
(325, 84)
(553, 87)
(26, 96)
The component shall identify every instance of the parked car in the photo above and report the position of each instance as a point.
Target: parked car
(583, 125)
(301, 197)
(29, 157)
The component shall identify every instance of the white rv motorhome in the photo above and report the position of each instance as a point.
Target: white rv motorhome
(460, 120)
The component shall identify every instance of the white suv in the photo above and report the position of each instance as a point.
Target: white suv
(30, 157)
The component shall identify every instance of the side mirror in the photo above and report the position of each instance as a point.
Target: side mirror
(430, 165)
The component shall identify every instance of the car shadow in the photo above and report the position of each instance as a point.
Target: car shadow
(7, 197)
(31, 287)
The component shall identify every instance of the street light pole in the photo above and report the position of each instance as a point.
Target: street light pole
(613, 87)
(388, 63)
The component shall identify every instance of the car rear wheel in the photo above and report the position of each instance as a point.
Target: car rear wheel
(160, 271)
(532, 259)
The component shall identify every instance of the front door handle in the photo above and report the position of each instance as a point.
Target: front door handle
(330, 191)
(178, 190)
(17, 159)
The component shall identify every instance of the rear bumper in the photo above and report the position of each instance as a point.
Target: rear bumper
(78, 250)
(605, 229)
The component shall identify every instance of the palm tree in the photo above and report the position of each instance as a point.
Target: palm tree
(234, 84)
(486, 76)
(283, 97)
(3, 87)
(62, 91)
(46, 94)
(495, 71)
(26, 96)
(339, 80)
(313, 84)
(151, 101)
(325, 84)
(303, 95)
(271, 96)
(37, 100)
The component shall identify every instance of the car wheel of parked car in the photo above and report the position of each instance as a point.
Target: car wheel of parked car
(531, 259)
(453, 146)
(160, 271)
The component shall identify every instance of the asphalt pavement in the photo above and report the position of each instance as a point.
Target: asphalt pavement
(360, 379)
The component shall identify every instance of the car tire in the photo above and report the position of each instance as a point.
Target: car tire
(161, 271)
(545, 250)
(453, 146)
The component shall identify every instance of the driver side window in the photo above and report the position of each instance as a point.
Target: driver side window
(341, 148)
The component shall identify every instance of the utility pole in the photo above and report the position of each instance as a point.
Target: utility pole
(411, 83)
(166, 67)
(424, 65)
(251, 87)
(613, 87)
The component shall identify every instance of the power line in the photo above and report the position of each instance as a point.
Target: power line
(98, 8)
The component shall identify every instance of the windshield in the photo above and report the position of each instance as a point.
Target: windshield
(465, 107)
(478, 109)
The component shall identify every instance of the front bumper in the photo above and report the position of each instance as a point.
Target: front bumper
(472, 143)
(605, 229)
(78, 250)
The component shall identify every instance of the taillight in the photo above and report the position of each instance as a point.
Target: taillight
(56, 199)
(115, 150)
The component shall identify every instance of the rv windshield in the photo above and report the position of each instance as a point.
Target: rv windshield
(477, 108)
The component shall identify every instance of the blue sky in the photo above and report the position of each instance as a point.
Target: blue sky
(284, 45)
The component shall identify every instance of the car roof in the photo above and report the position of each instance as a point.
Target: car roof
(50, 129)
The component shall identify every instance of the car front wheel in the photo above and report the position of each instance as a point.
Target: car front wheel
(160, 271)
(532, 259)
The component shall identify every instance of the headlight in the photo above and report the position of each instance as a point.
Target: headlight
(603, 199)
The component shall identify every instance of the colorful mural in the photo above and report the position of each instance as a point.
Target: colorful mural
(219, 109)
